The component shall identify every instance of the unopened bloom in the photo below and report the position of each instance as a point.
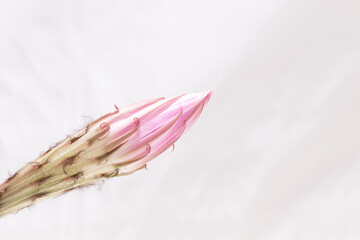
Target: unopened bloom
(116, 144)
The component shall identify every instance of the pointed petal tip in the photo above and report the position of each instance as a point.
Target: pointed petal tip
(208, 95)
(205, 96)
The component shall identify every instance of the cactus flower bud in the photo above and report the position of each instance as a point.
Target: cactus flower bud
(116, 144)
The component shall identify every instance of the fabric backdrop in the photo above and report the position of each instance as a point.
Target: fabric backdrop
(275, 154)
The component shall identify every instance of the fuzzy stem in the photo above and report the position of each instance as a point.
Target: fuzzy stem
(62, 169)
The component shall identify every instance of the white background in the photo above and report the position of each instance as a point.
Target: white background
(275, 154)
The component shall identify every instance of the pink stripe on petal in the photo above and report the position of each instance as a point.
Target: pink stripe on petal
(156, 110)
(123, 135)
(160, 146)
(132, 109)
(151, 130)
(133, 156)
